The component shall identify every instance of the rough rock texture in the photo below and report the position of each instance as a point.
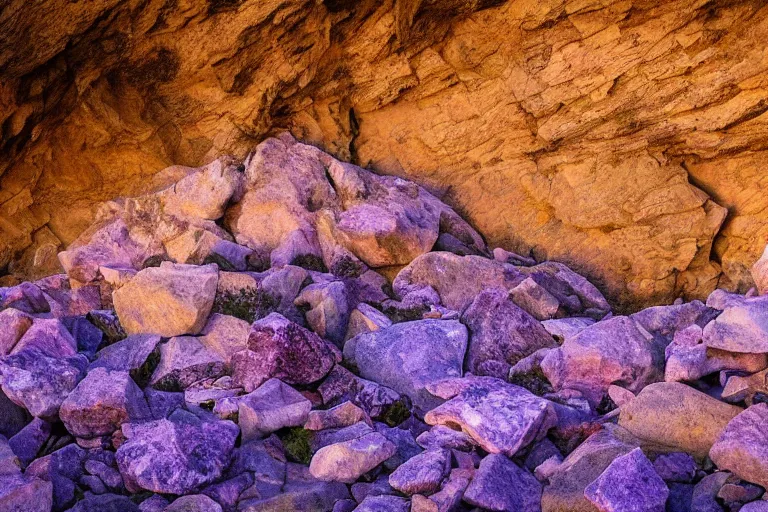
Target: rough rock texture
(629, 484)
(741, 448)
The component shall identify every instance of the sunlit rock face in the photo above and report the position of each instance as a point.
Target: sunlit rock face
(624, 138)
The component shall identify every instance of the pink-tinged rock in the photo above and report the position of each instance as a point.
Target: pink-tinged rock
(225, 335)
(101, 403)
(663, 322)
(199, 246)
(328, 309)
(170, 300)
(193, 503)
(535, 299)
(614, 351)
(66, 300)
(280, 348)
(383, 503)
(740, 388)
(274, 405)
(25, 494)
(423, 473)
(136, 354)
(40, 383)
(456, 279)
(742, 448)
(562, 328)
(376, 400)
(365, 318)
(577, 296)
(349, 460)
(441, 436)
(447, 499)
(741, 329)
(500, 485)
(500, 417)
(25, 297)
(175, 455)
(759, 272)
(206, 192)
(342, 415)
(117, 276)
(409, 356)
(629, 484)
(185, 360)
(502, 333)
(49, 337)
(13, 325)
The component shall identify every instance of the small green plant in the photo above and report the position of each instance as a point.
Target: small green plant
(534, 381)
(247, 304)
(297, 443)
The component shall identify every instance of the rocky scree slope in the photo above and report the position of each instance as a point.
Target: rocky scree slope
(298, 333)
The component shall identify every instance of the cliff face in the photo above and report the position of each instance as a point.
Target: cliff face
(624, 138)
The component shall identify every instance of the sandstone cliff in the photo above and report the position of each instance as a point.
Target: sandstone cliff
(624, 138)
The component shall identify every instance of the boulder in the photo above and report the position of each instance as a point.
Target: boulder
(26, 444)
(49, 337)
(448, 498)
(563, 328)
(501, 334)
(441, 436)
(676, 417)
(365, 318)
(25, 494)
(500, 417)
(279, 348)
(197, 246)
(170, 300)
(274, 405)
(205, 192)
(409, 356)
(614, 351)
(137, 354)
(225, 335)
(576, 295)
(105, 503)
(26, 297)
(175, 455)
(759, 272)
(327, 309)
(535, 299)
(741, 329)
(342, 415)
(744, 388)
(742, 447)
(13, 325)
(379, 402)
(383, 504)
(675, 467)
(500, 485)
(193, 503)
(101, 403)
(423, 473)
(629, 484)
(347, 461)
(185, 360)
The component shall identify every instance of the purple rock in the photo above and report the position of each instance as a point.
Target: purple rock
(25, 494)
(741, 329)
(27, 443)
(193, 503)
(163, 403)
(40, 383)
(175, 455)
(704, 497)
(185, 360)
(13, 325)
(226, 493)
(154, 503)
(105, 503)
(49, 337)
(299, 497)
(348, 460)
(535, 300)
(675, 467)
(101, 403)
(500, 485)
(107, 474)
(342, 415)
(135, 354)
(404, 441)
(502, 334)
(755, 506)
(280, 348)
(441, 436)
(577, 296)
(500, 417)
(629, 484)
(680, 496)
(328, 308)
(377, 401)
(423, 473)
(263, 459)
(409, 356)
(378, 487)
(383, 503)
(12, 417)
(25, 297)
(742, 447)
(274, 405)
(87, 335)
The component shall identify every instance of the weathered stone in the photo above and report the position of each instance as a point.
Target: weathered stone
(501, 334)
(576, 295)
(279, 348)
(500, 485)
(629, 484)
(105, 503)
(677, 417)
(759, 272)
(28, 442)
(744, 388)
(117, 276)
(204, 193)
(185, 360)
(741, 329)
(441, 436)
(170, 300)
(614, 351)
(274, 405)
(13, 325)
(348, 460)
(675, 467)
(225, 335)
(107, 322)
(328, 309)
(48, 337)
(704, 496)
(407, 357)
(199, 247)
(383, 504)
(377, 401)
(101, 403)
(342, 415)
(423, 473)
(136, 354)
(175, 455)
(193, 503)
(25, 297)
(563, 328)
(742, 447)
(500, 417)
(535, 299)
(40, 383)
(365, 318)
(24, 494)
(299, 496)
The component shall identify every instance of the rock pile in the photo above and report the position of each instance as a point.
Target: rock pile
(297, 333)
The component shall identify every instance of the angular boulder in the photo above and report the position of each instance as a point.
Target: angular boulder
(170, 300)
(274, 405)
(225, 335)
(349, 460)
(136, 354)
(193, 503)
(423, 473)
(629, 484)
(13, 325)
(205, 192)
(409, 356)
(742, 447)
(501, 485)
(25, 494)
(185, 360)
(759, 272)
(47, 336)
(741, 329)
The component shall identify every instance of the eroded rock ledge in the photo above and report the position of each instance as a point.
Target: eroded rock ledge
(612, 136)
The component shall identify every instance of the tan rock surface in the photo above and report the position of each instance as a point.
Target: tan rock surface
(608, 135)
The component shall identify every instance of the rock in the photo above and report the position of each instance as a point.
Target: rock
(500, 485)
(40, 383)
(456, 279)
(101, 403)
(105, 503)
(279, 348)
(117, 276)
(740, 329)
(26, 297)
(377, 401)
(299, 496)
(735, 494)
(447, 498)
(577, 296)
(24, 494)
(205, 192)
(365, 318)
(755, 506)
(328, 309)
(535, 299)
(136, 354)
(744, 388)
(274, 405)
(193, 503)
(88, 337)
(163, 403)
(675, 467)
(677, 417)
(28, 442)
(402, 437)
(629, 483)
(348, 460)
(441, 436)
(170, 300)
(185, 360)
(106, 473)
(49, 337)
(500, 417)
(562, 328)
(407, 357)
(14, 324)
(742, 447)
(199, 247)
(225, 335)
(614, 351)
(13, 418)
(228, 492)
(175, 455)
(108, 323)
(501, 334)
(342, 415)
(759, 272)
(704, 497)
(423, 473)
(383, 504)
